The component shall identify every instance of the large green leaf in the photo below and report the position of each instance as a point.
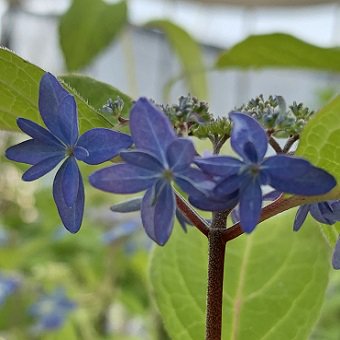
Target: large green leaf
(97, 93)
(275, 281)
(279, 50)
(320, 139)
(19, 89)
(87, 28)
(189, 54)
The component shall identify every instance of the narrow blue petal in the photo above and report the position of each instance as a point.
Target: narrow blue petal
(158, 218)
(301, 216)
(180, 154)
(315, 181)
(150, 129)
(247, 137)
(128, 206)
(37, 132)
(103, 144)
(182, 220)
(272, 195)
(219, 165)
(212, 203)
(123, 179)
(142, 159)
(250, 206)
(33, 152)
(230, 184)
(42, 168)
(58, 109)
(336, 255)
(71, 216)
(193, 180)
(322, 212)
(70, 181)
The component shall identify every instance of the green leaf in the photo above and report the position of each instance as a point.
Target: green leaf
(98, 93)
(19, 90)
(274, 286)
(281, 51)
(189, 54)
(87, 28)
(320, 139)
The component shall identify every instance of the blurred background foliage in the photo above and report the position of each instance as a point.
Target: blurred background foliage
(94, 285)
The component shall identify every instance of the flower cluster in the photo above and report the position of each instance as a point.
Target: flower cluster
(160, 160)
(61, 141)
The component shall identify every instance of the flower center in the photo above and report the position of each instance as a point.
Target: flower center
(254, 169)
(69, 151)
(168, 175)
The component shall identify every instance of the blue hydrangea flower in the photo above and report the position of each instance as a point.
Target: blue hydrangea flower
(324, 212)
(51, 310)
(61, 141)
(8, 285)
(159, 159)
(245, 177)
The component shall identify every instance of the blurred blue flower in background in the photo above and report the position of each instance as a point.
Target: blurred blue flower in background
(8, 285)
(51, 310)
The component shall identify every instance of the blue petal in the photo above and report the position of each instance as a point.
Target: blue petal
(131, 205)
(250, 206)
(42, 168)
(336, 255)
(219, 165)
(248, 138)
(37, 132)
(301, 216)
(272, 195)
(150, 128)
(33, 152)
(180, 154)
(70, 181)
(71, 216)
(103, 144)
(158, 218)
(321, 211)
(123, 179)
(230, 184)
(300, 180)
(142, 159)
(212, 203)
(58, 109)
(193, 180)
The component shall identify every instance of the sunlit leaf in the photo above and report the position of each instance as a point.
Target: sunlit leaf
(275, 281)
(87, 28)
(19, 90)
(280, 51)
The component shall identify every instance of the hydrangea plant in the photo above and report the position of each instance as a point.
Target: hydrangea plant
(157, 159)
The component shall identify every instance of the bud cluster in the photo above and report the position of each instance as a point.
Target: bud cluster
(188, 115)
(273, 115)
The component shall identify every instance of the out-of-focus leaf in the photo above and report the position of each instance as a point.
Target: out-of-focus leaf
(274, 282)
(19, 90)
(280, 51)
(189, 54)
(87, 28)
(98, 93)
